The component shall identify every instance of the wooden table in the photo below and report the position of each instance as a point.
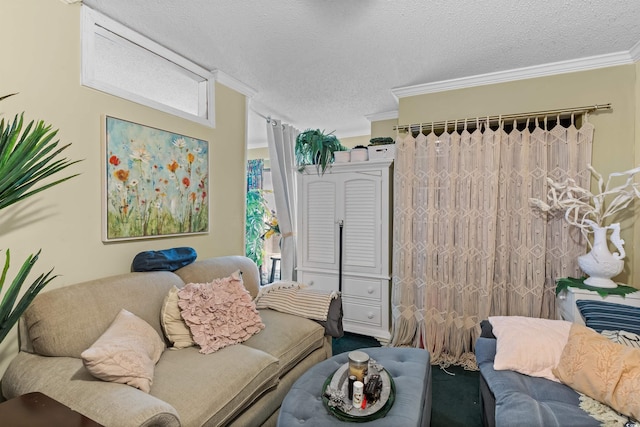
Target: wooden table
(39, 410)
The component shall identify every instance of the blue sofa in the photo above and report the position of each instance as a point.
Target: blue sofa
(509, 398)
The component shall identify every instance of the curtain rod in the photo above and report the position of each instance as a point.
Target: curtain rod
(565, 111)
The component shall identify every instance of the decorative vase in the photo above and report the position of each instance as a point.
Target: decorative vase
(600, 264)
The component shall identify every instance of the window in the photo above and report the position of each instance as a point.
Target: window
(121, 62)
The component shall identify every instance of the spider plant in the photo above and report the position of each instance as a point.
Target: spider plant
(28, 155)
(314, 147)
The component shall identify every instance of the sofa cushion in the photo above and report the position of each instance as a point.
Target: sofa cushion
(173, 325)
(529, 401)
(212, 268)
(66, 321)
(125, 353)
(601, 369)
(287, 337)
(213, 388)
(220, 313)
(628, 339)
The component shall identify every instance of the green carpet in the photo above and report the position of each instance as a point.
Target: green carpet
(455, 398)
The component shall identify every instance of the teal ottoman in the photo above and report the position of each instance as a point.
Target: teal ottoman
(411, 372)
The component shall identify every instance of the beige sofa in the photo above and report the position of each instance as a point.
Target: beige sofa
(239, 385)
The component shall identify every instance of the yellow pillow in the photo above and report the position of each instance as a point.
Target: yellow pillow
(126, 353)
(601, 369)
(173, 325)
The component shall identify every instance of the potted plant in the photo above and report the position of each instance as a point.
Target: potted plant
(382, 140)
(27, 157)
(314, 147)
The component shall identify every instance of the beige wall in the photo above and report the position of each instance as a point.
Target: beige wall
(258, 153)
(41, 61)
(384, 128)
(614, 147)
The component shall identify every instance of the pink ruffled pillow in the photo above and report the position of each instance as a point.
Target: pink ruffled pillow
(219, 313)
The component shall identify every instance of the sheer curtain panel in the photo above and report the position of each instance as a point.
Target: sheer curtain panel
(466, 242)
(281, 139)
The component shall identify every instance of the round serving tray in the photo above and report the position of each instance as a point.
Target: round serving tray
(339, 381)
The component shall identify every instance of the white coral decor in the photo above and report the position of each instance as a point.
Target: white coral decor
(582, 207)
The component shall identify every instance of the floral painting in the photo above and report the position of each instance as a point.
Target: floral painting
(156, 182)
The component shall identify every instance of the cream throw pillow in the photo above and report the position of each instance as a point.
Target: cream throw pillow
(601, 369)
(126, 352)
(528, 345)
(173, 325)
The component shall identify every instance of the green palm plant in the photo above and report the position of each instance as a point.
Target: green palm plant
(314, 147)
(257, 217)
(27, 157)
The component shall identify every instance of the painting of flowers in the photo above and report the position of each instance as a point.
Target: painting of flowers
(156, 182)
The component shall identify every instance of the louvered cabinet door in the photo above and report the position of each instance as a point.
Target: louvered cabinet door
(360, 209)
(317, 226)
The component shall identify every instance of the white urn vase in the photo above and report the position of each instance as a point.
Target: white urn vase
(600, 264)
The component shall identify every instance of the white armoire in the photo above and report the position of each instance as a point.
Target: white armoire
(352, 200)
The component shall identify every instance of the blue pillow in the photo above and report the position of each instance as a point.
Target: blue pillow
(608, 316)
(164, 260)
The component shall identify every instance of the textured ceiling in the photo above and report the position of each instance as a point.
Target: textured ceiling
(328, 63)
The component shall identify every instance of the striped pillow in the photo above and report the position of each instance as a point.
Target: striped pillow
(623, 337)
(601, 316)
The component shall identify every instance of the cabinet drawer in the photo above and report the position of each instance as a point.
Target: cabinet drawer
(363, 288)
(319, 281)
(361, 313)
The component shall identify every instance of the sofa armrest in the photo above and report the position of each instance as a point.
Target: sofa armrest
(66, 380)
(485, 350)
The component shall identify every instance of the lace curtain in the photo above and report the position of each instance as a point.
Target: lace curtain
(467, 244)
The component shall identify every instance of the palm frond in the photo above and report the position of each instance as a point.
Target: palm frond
(27, 158)
(8, 314)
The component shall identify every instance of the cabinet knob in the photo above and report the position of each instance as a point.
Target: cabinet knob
(310, 282)
(370, 290)
(370, 315)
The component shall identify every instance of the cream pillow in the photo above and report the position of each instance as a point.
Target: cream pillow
(126, 352)
(220, 313)
(529, 345)
(601, 369)
(173, 325)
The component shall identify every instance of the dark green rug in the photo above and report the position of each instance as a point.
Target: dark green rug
(455, 398)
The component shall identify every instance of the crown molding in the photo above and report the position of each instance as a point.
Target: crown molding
(71, 1)
(562, 67)
(387, 115)
(634, 52)
(233, 83)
